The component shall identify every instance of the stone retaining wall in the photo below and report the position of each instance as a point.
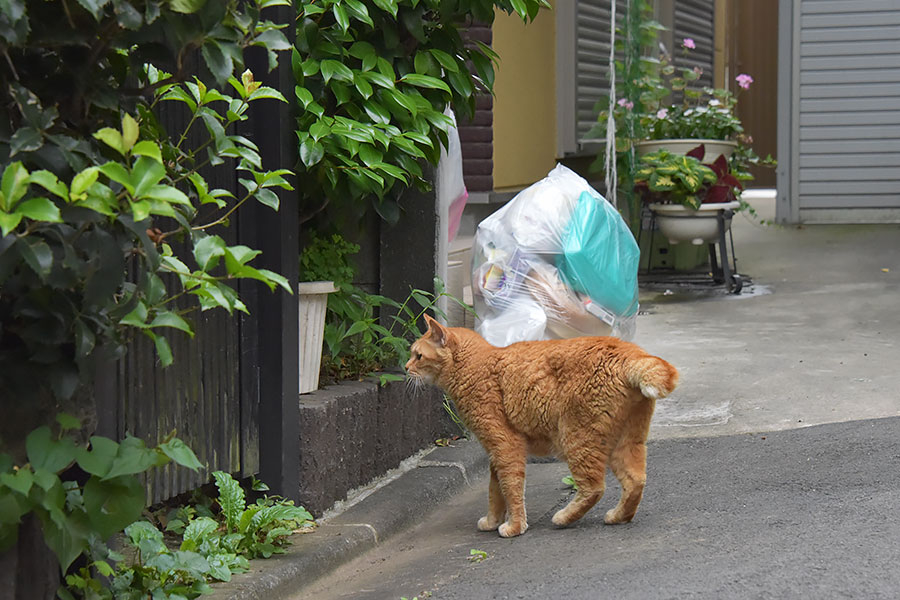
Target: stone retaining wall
(353, 432)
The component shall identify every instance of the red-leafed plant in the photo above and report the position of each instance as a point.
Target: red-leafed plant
(727, 187)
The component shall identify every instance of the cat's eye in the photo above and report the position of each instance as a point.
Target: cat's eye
(417, 355)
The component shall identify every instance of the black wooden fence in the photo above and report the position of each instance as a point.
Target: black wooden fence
(231, 393)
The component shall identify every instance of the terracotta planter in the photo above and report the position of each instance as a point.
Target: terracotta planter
(678, 223)
(313, 302)
(682, 146)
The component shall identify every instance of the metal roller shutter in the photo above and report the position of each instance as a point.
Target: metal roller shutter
(848, 92)
(695, 19)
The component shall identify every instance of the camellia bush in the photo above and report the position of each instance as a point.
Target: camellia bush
(107, 216)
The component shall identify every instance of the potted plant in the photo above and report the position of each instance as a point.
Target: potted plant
(686, 194)
(322, 264)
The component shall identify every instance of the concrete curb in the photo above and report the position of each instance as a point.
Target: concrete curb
(385, 512)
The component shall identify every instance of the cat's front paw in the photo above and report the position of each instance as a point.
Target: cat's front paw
(488, 524)
(506, 530)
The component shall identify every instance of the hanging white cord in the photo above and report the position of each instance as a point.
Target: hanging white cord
(611, 178)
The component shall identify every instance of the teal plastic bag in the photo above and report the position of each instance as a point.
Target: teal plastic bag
(600, 256)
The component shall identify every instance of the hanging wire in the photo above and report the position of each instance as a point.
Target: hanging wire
(611, 177)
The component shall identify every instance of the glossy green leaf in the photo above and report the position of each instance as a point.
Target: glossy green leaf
(13, 185)
(311, 152)
(147, 148)
(25, 139)
(50, 182)
(186, 6)
(208, 250)
(40, 209)
(112, 138)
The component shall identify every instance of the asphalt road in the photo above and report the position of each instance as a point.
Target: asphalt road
(802, 513)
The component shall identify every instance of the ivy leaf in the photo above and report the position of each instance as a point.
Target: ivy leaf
(47, 453)
(20, 481)
(113, 504)
(133, 456)
(67, 422)
(99, 458)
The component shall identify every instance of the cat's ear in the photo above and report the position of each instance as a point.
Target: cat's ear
(437, 333)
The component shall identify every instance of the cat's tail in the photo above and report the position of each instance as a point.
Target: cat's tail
(653, 376)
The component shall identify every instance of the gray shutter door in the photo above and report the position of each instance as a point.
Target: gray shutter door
(694, 19)
(592, 42)
(848, 88)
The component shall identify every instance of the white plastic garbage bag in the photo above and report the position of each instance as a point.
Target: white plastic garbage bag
(559, 248)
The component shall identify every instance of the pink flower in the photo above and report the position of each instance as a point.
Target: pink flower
(744, 80)
(662, 113)
(623, 102)
(689, 43)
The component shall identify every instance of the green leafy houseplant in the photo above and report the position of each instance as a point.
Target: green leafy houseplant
(358, 343)
(684, 179)
(661, 102)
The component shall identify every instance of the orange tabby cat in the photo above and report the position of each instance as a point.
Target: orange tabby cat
(588, 400)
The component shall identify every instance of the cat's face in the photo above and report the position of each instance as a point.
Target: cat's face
(429, 353)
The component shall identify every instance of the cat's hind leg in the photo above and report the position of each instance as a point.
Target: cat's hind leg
(496, 505)
(629, 462)
(586, 453)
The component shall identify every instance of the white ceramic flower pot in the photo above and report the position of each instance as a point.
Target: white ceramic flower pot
(313, 297)
(682, 146)
(681, 224)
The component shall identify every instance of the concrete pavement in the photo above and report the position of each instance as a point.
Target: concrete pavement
(814, 340)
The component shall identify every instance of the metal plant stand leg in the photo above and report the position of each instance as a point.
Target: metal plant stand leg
(732, 280)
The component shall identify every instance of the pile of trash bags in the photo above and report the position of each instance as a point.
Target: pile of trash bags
(557, 261)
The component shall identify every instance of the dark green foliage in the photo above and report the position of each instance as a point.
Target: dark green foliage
(373, 79)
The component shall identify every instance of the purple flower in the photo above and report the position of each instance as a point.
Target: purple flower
(625, 103)
(744, 80)
(689, 43)
(662, 113)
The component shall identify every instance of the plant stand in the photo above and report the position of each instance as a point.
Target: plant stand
(723, 269)
(313, 296)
